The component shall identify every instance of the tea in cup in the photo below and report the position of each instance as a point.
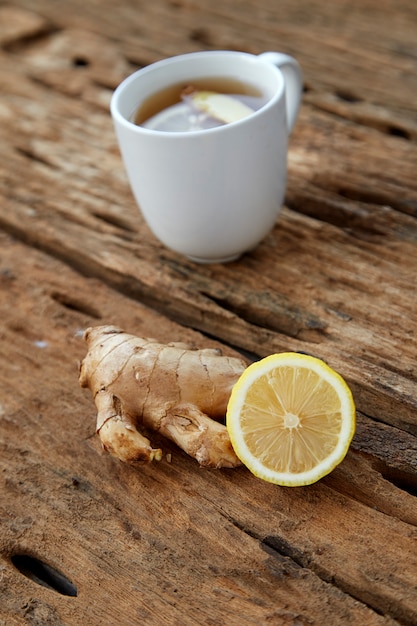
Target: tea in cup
(204, 104)
(204, 138)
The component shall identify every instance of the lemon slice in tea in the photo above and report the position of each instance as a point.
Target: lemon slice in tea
(220, 106)
(290, 419)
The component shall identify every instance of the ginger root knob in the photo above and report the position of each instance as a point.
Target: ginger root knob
(173, 389)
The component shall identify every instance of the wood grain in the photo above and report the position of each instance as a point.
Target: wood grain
(171, 543)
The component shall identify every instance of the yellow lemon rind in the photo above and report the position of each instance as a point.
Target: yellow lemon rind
(236, 401)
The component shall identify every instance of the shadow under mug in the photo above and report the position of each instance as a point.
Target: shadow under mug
(212, 194)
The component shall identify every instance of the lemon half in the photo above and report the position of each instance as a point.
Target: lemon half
(291, 419)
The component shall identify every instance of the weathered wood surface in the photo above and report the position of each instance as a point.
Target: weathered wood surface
(174, 544)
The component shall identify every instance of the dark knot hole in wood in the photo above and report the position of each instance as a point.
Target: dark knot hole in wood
(43, 574)
(80, 61)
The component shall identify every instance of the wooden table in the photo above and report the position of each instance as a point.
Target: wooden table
(171, 543)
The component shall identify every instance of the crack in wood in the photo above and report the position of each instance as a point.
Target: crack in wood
(356, 210)
(114, 220)
(43, 574)
(33, 156)
(347, 106)
(291, 561)
(348, 96)
(270, 311)
(402, 480)
(278, 547)
(22, 28)
(75, 304)
(265, 309)
(281, 549)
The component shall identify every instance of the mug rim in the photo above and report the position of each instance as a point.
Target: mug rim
(166, 62)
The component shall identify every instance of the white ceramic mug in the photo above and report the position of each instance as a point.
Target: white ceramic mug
(214, 194)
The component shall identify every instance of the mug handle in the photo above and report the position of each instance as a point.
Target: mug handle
(293, 80)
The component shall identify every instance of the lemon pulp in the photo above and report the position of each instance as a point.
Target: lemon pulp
(291, 419)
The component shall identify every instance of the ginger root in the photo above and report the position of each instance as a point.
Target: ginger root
(173, 389)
